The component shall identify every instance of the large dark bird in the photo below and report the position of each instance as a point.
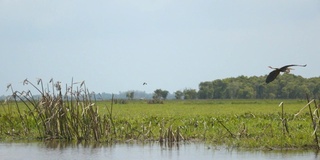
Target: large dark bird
(273, 75)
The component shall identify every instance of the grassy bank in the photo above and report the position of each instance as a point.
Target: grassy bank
(77, 116)
(241, 123)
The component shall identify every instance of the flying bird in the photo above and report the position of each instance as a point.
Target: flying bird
(273, 75)
(144, 83)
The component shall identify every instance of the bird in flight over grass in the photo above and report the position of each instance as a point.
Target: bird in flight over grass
(273, 75)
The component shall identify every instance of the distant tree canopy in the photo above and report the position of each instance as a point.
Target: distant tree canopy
(190, 94)
(178, 94)
(160, 94)
(130, 95)
(286, 86)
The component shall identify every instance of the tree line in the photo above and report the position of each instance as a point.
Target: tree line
(286, 86)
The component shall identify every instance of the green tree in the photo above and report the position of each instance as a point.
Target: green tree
(178, 94)
(157, 94)
(190, 94)
(160, 94)
(284, 86)
(164, 94)
(219, 88)
(205, 90)
(130, 95)
(232, 90)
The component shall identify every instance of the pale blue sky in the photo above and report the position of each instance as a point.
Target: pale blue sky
(116, 45)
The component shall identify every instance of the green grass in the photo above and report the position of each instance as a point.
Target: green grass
(76, 116)
(187, 108)
(251, 123)
(239, 123)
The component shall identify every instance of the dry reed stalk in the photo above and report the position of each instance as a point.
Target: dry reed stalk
(231, 134)
(285, 128)
(295, 115)
(58, 116)
(178, 135)
(24, 97)
(313, 122)
(110, 116)
(171, 137)
(161, 134)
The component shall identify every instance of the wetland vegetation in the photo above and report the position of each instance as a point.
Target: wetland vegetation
(77, 115)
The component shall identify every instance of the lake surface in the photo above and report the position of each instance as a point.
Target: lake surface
(154, 151)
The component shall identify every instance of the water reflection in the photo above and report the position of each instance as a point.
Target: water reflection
(169, 144)
(133, 150)
(63, 144)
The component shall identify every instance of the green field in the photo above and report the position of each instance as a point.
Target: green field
(236, 123)
(215, 108)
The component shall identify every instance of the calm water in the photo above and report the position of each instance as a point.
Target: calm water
(154, 151)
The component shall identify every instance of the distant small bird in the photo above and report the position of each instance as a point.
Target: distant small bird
(144, 83)
(273, 75)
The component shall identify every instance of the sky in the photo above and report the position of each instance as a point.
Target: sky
(116, 45)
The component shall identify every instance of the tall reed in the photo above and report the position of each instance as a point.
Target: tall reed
(314, 117)
(57, 115)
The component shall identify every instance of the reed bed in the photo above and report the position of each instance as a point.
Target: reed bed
(72, 115)
(57, 115)
(75, 114)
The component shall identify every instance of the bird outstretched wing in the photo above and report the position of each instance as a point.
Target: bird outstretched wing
(291, 65)
(272, 75)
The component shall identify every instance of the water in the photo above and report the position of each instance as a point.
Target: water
(154, 151)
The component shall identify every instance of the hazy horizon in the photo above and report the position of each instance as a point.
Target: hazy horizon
(117, 45)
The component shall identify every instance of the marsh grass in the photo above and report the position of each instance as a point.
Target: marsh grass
(75, 114)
